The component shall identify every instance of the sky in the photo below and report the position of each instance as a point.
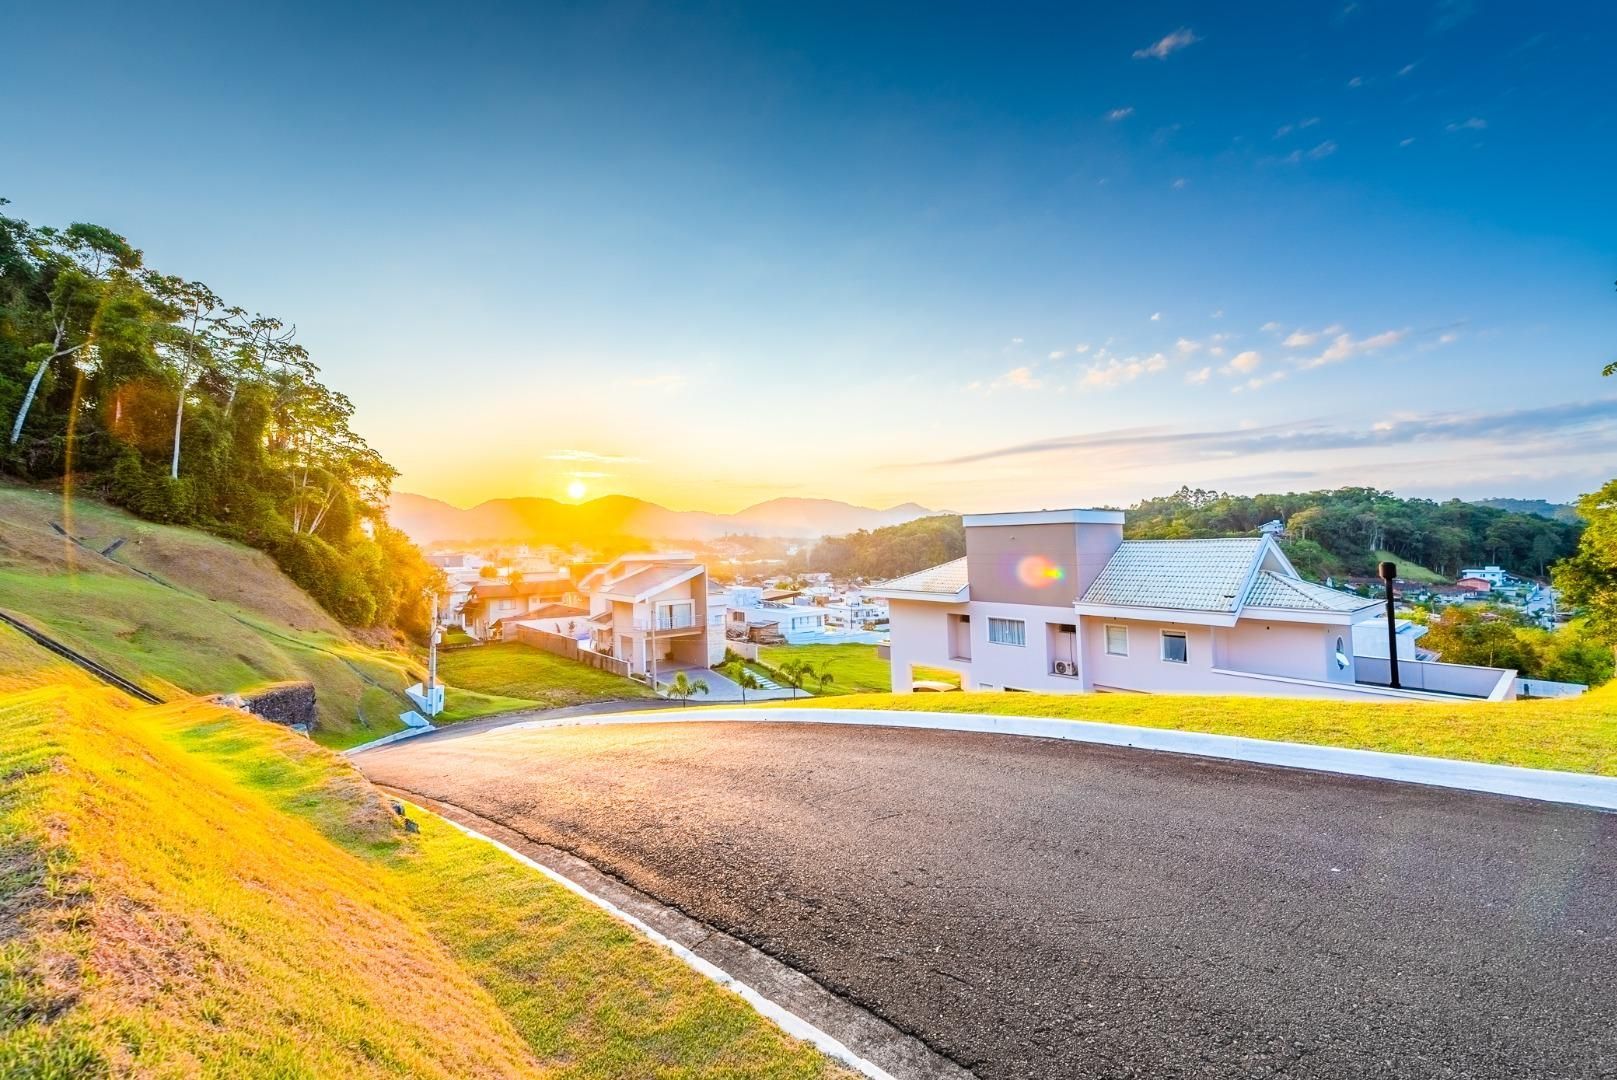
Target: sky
(981, 257)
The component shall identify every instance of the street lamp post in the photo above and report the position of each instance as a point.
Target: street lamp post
(1388, 571)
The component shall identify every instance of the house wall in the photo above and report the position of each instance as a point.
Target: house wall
(1020, 667)
(994, 552)
(919, 635)
(1295, 650)
(1143, 669)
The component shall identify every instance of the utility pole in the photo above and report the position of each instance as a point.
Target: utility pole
(651, 606)
(432, 648)
(1388, 571)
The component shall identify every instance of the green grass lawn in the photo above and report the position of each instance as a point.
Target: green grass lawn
(507, 675)
(855, 668)
(190, 891)
(1576, 735)
(1413, 571)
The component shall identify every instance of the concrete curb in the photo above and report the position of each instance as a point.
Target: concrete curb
(1544, 785)
(788, 1021)
(388, 740)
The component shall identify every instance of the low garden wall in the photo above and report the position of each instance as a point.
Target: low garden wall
(567, 647)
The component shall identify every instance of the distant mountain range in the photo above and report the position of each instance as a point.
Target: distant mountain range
(429, 521)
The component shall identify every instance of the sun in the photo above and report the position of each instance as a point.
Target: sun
(576, 490)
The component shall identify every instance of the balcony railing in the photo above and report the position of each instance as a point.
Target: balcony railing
(671, 622)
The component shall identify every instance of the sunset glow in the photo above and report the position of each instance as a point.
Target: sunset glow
(577, 489)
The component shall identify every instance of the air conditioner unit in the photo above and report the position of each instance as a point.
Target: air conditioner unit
(1065, 667)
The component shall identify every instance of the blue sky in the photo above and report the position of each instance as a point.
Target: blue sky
(978, 258)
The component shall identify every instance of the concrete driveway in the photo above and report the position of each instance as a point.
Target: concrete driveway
(1032, 908)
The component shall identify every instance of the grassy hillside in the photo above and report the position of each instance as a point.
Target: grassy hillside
(190, 891)
(1412, 571)
(1576, 734)
(180, 612)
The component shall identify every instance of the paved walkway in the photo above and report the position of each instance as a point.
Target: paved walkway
(1036, 908)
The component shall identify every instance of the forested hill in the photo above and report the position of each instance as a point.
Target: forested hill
(1540, 507)
(1345, 531)
(154, 393)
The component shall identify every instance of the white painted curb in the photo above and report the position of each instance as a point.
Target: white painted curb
(388, 740)
(788, 1021)
(1544, 785)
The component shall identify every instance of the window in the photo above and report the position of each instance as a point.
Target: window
(1175, 650)
(1341, 656)
(1007, 631)
(1117, 641)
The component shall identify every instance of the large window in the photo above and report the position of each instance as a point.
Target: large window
(1007, 631)
(1117, 641)
(1175, 649)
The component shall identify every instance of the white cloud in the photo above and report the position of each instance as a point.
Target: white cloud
(1180, 183)
(1081, 348)
(1356, 82)
(1302, 125)
(1470, 123)
(1057, 354)
(1020, 378)
(1243, 363)
(590, 456)
(1016, 341)
(1156, 316)
(1161, 50)
(1217, 350)
(1115, 371)
(1120, 114)
(1270, 327)
(1320, 150)
(1407, 142)
(1186, 347)
(1219, 314)
(1258, 382)
(1300, 339)
(1448, 339)
(1407, 68)
(1199, 376)
(1346, 347)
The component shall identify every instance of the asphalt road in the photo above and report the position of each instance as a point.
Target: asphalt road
(1033, 908)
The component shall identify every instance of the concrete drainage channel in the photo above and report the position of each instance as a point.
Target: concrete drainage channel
(801, 1007)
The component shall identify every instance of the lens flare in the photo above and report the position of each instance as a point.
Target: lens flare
(1036, 572)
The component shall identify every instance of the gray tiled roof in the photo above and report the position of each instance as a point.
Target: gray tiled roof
(1186, 575)
(1272, 590)
(947, 579)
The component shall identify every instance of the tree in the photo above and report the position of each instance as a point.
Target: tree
(193, 345)
(80, 262)
(683, 687)
(740, 674)
(799, 673)
(1588, 580)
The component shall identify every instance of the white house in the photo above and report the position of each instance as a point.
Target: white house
(1496, 576)
(650, 611)
(1058, 601)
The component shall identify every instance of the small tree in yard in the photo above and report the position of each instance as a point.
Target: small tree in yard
(741, 675)
(682, 687)
(798, 673)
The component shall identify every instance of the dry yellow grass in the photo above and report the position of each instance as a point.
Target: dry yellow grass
(1577, 734)
(188, 891)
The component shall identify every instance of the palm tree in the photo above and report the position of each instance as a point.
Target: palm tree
(682, 687)
(798, 673)
(742, 676)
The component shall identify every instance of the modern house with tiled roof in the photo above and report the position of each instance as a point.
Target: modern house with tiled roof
(1058, 601)
(494, 601)
(651, 611)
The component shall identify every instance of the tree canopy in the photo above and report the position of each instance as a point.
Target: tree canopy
(152, 392)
